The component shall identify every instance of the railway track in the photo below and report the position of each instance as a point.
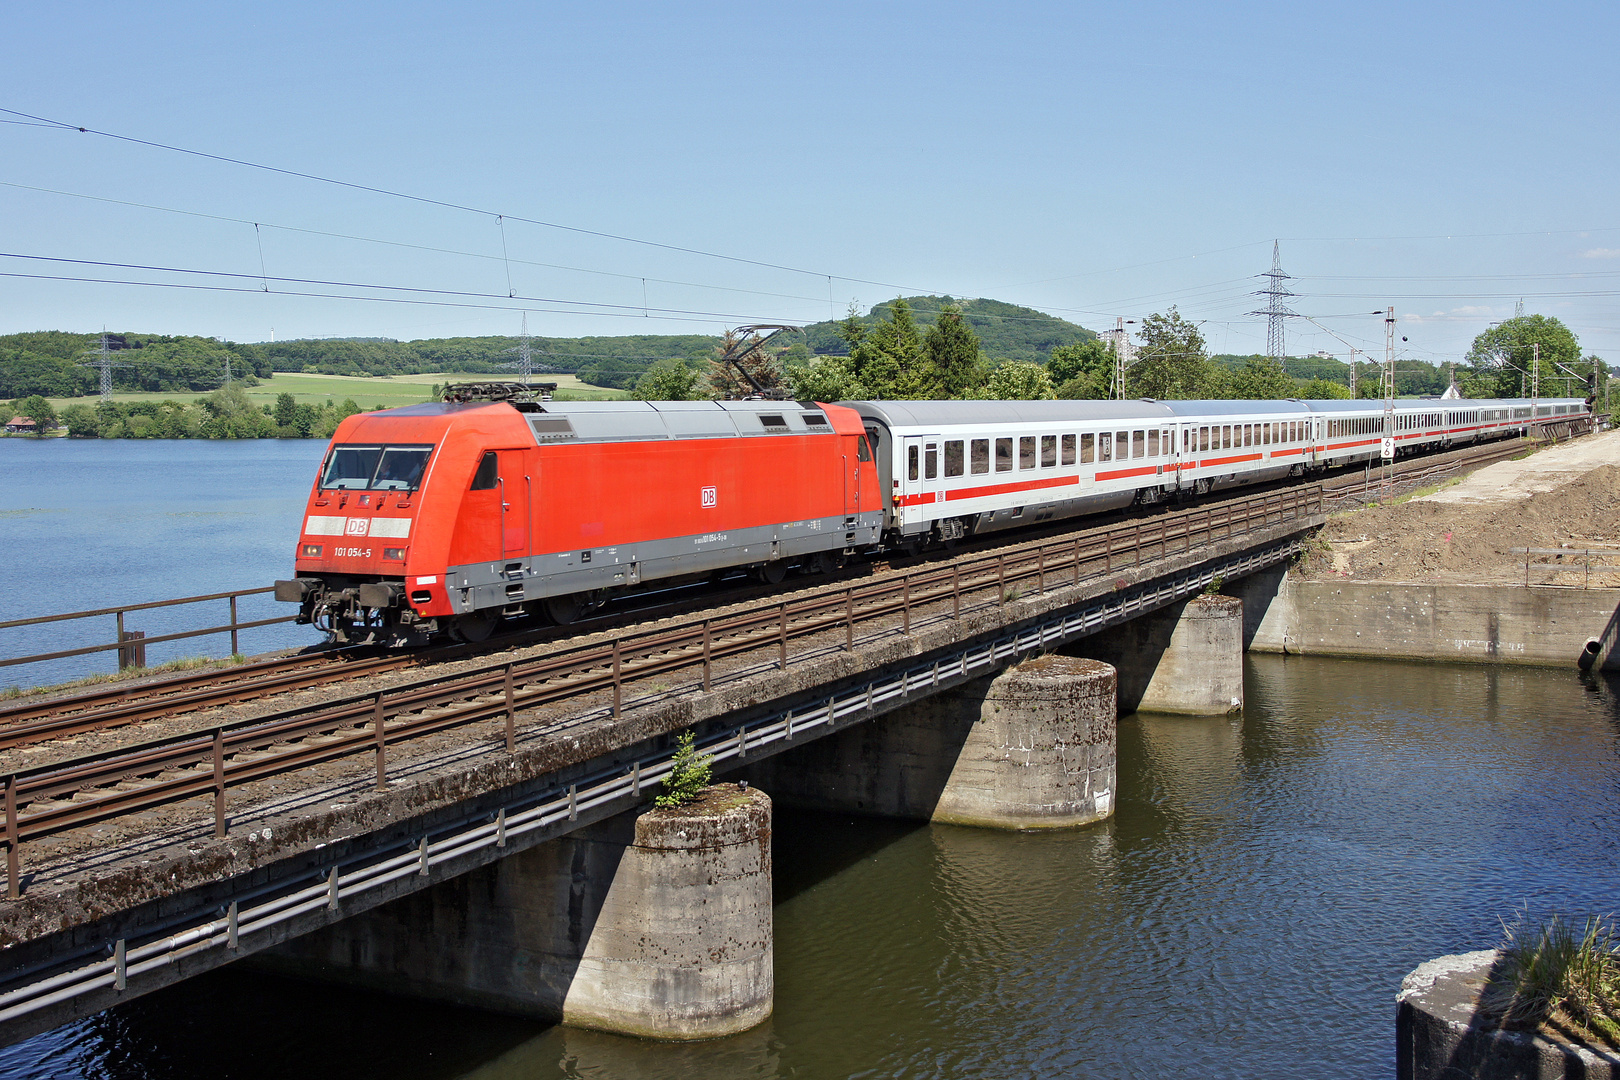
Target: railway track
(30, 723)
(1418, 472)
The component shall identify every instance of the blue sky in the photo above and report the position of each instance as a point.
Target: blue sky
(1092, 161)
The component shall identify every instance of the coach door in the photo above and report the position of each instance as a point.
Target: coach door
(516, 491)
(919, 471)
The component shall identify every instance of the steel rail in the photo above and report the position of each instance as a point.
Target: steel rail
(98, 710)
(50, 799)
(177, 685)
(24, 725)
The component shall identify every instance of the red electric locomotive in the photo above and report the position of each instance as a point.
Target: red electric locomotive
(447, 517)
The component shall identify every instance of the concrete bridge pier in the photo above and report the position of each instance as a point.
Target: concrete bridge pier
(653, 923)
(1031, 748)
(1186, 658)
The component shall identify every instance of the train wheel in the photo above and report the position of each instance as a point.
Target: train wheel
(563, 610)
(827, 562)
(475, 627)
(771, 573)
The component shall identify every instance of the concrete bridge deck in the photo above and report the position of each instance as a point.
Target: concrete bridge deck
(146, 902)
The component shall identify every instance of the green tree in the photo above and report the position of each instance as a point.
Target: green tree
(667, 380)
(1082, 371)
(1502, 358)
(286, 412)
(1323, 390)
(688, 773)
(888, 359)
(81, 421)
(1170, 362)
(831, 378)
(1018, 380)
(950, 352)
(1262, 379)
(763, 368)
(39, 410)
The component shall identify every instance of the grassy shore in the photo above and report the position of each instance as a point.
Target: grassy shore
(368, 392)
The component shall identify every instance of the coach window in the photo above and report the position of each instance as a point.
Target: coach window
(1203, 440)
(1004, 460)
(1138, 443)
(1048, 451)
(1088, 450)
(931, 462)
(953, 458)
(981, 455)
(1153, 443)
(1026, 452)
(1105, 447)
(486, 477)
(911, 462)
(1068, 449)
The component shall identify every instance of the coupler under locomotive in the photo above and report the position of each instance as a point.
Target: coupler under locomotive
(354, 612)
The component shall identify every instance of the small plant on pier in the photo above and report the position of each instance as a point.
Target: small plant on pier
(1561, 976)
(688, 774)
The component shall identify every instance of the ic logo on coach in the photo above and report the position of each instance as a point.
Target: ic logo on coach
(710, 498)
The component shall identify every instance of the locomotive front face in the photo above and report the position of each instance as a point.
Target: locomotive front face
(352, 553)
(368, 493)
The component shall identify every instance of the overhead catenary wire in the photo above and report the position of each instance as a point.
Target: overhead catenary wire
(20, 118)
(430, 201)
(482, 255)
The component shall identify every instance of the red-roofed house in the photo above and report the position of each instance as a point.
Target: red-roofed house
(21, 425)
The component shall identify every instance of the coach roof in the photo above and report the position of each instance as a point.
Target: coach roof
(634, 421)
(937, 415)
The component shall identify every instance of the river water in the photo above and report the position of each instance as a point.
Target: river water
(1248, 912)
(92, 523)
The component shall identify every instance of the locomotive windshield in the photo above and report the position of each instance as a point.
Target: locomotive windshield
(375, 468)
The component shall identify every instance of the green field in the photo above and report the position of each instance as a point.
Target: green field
(368, 392)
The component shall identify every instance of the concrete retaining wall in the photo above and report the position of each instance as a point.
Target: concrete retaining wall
(1512, 624)
(1439, 1034)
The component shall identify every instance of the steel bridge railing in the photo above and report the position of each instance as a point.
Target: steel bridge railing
(131, 646)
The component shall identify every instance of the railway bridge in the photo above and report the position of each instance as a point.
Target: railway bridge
(278, 836)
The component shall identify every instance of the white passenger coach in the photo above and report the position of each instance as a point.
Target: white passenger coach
(956, 468)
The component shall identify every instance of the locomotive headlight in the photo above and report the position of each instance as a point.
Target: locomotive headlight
(312, 551)
(397, 554)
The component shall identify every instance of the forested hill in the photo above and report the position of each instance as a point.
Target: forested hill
(1006, 331)
(50, 363)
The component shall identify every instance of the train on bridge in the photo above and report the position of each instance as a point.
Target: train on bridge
(447, 517)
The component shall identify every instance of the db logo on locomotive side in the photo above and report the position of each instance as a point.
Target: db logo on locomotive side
(710, 498)
(357, 526)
